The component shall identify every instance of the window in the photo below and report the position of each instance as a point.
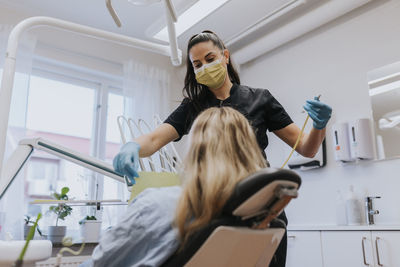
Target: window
(62, 112)
(42, 175)
(61, 108)
(113, 189)
(70, 112)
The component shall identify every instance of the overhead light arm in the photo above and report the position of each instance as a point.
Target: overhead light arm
(171, 18)
(176, 54)
(171, 10)
(113, 14)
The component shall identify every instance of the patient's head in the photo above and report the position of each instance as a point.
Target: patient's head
(222, 151)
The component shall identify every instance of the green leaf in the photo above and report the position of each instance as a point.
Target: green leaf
(61, 210)
(64, 190)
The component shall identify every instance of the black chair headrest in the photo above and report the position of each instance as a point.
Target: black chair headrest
(256, 181)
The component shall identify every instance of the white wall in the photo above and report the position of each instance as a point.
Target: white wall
(334, 61)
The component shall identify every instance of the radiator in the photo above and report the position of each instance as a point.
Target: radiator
(72, 261)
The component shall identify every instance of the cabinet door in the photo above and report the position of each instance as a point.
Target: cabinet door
(304, 249)
(347, 249)
(386, 248)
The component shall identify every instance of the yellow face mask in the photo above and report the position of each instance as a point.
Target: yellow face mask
(212, 75)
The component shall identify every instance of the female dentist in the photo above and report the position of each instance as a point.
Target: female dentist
(212, 81)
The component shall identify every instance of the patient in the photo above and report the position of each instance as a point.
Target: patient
(223, 150)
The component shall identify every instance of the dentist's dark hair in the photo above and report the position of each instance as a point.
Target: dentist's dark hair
(193, 91)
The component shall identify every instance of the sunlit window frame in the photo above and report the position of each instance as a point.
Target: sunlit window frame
(103, 84)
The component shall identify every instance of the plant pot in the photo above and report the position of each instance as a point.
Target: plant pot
(56, 233)
(27, 228)
(90, 231)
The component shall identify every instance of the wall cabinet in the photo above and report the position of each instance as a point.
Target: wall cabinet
(343, 248)
(304, 249)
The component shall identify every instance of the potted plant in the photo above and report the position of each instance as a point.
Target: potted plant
(29, 222)
(62, 210)
(90, 229)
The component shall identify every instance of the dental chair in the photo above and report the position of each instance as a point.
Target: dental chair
(247, 232)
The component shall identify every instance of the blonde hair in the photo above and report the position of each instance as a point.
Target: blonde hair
(223, 150)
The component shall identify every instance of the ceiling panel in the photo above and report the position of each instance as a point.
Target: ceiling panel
(238, 15)
(142, 22)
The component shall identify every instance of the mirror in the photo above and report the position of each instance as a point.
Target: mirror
(384, 92)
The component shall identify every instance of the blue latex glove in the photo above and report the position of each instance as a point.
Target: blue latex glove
(126, 162)
(319, 112)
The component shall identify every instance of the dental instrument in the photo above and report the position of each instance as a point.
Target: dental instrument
(168, 161)
(129, 122)
(298, 138)
(158, 121)
(67, 242)
(21, 252)
(30, 236)
(123, 138)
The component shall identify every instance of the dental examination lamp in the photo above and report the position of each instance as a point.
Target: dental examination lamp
(7, 81)
(25, 148)
(171, 17)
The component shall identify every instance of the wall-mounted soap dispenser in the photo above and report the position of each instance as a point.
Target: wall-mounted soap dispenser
(341, 141)
(361, 139)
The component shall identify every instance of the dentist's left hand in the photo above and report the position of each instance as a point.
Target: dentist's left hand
(319, 112)
(126, 162)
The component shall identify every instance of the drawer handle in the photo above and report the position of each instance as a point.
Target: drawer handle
(377, 251)
(291, 236)
(363, 251)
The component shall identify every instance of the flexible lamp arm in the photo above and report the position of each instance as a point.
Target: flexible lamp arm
(12, 46)
(25, 149)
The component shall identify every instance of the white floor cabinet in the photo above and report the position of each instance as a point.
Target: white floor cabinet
(347, 248)
(360, 248)
(304, 249)
(387, 247)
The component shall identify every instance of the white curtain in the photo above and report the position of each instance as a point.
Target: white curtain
(146, 91)
(12, 205)
(146, 94)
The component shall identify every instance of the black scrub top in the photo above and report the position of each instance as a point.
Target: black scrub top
(261, 109)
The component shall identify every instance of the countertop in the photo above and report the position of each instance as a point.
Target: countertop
(381, 227)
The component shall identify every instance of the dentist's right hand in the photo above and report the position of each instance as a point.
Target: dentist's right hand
(126, 162)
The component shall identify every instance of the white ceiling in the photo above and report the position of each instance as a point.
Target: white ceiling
(143, 21)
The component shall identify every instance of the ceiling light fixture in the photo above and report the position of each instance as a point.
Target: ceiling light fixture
(168, 4)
